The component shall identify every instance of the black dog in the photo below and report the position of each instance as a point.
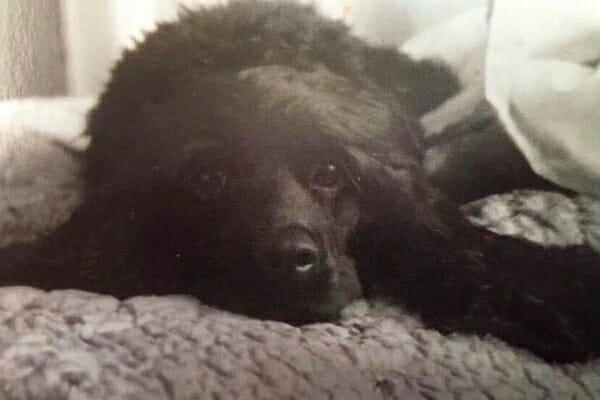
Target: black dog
(265, 160)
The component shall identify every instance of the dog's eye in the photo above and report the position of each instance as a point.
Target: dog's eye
(327, 175)
(206, 184)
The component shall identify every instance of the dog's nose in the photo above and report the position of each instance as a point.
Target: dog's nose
(296, 251)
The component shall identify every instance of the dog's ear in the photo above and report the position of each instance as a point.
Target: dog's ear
(395, 193)
(421, 86)
(405, 235)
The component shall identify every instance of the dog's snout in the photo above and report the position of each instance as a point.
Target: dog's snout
(296, 251)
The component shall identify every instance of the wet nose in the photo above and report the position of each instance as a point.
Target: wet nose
(296, 251)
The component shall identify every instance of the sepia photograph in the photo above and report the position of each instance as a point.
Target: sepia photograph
(299, 199)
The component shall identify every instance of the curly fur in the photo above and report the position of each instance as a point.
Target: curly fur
(263, 78)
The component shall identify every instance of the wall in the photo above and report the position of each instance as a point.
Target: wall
(32, 57)
(97, 31)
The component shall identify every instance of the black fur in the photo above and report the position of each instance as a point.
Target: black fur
(242, 143)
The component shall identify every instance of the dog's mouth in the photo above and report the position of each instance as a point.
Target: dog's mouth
(297, 289)
(320, 299)
(305, 275)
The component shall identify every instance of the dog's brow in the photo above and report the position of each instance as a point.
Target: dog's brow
(201, 145)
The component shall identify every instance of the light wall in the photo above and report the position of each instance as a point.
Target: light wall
(32, 56)
(97, 31)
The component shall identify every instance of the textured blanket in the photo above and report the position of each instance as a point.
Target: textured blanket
(76, 345)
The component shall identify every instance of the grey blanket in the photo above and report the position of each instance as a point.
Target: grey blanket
(76, 345)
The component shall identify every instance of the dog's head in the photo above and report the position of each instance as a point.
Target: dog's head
(272, 173)
(268, 153)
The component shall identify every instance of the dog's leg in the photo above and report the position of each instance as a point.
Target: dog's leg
(552, 293)
(545, 299)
